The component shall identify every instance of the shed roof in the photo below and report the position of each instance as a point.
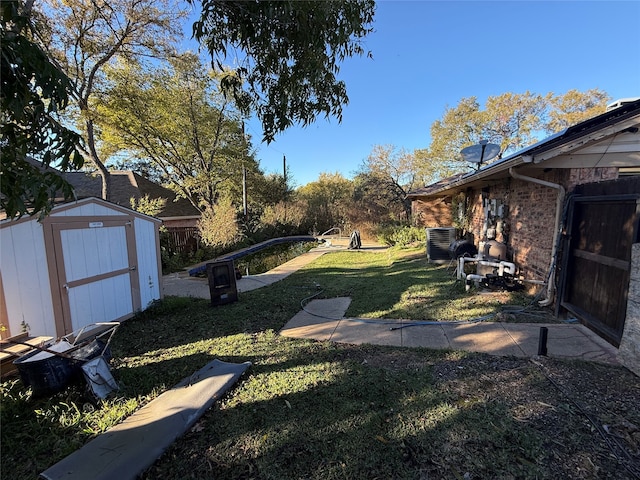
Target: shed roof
(625, 118)
(61, 208)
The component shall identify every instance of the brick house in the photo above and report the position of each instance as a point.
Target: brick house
(534, 202)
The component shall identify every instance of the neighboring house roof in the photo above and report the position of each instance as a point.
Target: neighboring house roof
(126, 185)
(553, 151)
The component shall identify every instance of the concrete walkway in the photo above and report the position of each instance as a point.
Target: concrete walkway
(182, 285)
(324, 320)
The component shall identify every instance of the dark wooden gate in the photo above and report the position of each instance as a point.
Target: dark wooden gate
(602, 226)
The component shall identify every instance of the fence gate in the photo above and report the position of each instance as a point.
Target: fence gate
(597, 259)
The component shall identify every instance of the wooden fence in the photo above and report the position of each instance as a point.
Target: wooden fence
(182, 239)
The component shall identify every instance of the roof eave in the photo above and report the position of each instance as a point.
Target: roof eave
(553, 146)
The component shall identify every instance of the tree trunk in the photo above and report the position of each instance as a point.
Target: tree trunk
(106, 181)
(93, 156)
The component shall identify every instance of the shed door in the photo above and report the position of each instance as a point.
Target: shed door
(596, 283)
(96, 270)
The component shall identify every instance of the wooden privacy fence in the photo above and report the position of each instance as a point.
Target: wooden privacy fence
(182, 239)
(602, 227)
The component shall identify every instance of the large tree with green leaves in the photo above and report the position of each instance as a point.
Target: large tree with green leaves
(85, 36)
(177, 118)
(287, 54)
(512, 121)
(33, 92)
(574, 107)
(508, 120)
(384, 179)
(327, 200)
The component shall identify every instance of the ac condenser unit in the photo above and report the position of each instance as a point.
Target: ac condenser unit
(438, 241)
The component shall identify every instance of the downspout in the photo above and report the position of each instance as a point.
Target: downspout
(559, 206)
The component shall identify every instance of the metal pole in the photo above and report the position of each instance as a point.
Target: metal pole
(542, 341)
(244, 191)
(284, 170)
(244, 177)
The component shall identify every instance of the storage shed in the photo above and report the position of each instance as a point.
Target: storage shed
(88, 261)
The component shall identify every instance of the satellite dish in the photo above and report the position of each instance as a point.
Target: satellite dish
(483, 152)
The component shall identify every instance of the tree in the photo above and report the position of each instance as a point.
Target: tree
(85, 36)
(513, 121)
(33, 92)
(327, 201)
(288, 74)
(176, 117)
(282, 219)
(291, 53)
(574, 107)
(147, 205)
(385, 178)
(509, 120)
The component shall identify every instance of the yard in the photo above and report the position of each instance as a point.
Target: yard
(317, 410)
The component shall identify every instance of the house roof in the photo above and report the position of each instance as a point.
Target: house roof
(554, 151)
(126, 185)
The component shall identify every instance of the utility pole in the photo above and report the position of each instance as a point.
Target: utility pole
(284, 199)
(244, 191)
(244, 178)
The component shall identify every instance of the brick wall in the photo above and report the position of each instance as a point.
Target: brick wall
(580, 176)
(431, 213)
(529, 214)
(532, 214)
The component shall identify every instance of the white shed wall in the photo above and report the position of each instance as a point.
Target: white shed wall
(149, 276)
(86, 210)
(25, 279)
(25, 275)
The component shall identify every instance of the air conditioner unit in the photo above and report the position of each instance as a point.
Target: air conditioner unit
(438, 241)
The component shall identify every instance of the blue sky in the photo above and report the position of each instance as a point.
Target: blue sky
(428, 55)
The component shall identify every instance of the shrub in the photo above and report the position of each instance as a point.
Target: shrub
(218, 226)
(401, 235)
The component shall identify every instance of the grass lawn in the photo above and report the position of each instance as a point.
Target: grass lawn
(317, 410)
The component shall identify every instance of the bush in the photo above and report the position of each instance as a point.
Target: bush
(401, 235)
(218, 226)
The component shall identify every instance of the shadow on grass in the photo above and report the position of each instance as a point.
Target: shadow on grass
(325, 411)
(353, 413)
